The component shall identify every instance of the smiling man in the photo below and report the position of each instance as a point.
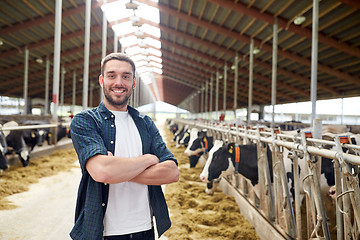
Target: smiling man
(124, 162)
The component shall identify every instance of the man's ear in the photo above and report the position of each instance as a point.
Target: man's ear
(101, 81)
(134, 83)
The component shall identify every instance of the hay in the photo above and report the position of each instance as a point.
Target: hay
(17, 178)
(196, 215)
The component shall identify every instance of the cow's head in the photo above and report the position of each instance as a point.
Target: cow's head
(219, 162)
(3, 150)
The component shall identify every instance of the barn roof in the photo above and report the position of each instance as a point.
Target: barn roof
(197, 38)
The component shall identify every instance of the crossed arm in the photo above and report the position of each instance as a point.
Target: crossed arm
(145, 169)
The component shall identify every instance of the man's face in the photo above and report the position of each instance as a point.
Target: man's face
(117, 83)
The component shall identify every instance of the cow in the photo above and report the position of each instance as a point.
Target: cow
(227, 158)
(179, 135)
(37, 136)
(185, 139)
(16, 143)
(200, 146)
(61, 133)
(3, 150)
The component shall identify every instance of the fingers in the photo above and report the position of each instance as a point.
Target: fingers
(110, 154)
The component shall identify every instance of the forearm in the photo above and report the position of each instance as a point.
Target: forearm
(158, 174)
(110, 169)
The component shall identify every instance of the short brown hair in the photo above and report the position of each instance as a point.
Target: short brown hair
(117, 56)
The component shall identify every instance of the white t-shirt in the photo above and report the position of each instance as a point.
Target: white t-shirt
(128, 209)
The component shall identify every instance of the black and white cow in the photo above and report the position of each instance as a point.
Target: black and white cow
(180, 134)
(224, 159)
(3, 150)
(16, 143)
(35, 137)
(184, 141)
(200, 146)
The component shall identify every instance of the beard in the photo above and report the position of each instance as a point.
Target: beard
(118, 102)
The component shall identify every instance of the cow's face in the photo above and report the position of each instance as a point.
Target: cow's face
(24, 157)
(221, 164)
(3, 150)
(211, 169)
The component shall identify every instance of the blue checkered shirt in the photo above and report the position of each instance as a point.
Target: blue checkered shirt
(92, 133)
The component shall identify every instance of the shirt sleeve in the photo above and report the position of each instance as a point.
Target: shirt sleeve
(86, 138)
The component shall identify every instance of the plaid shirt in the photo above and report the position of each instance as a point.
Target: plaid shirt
(92, 133)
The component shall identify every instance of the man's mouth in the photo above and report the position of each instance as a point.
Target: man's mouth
(118, 90)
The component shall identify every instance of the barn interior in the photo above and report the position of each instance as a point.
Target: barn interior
(208, 57)
(191, 58)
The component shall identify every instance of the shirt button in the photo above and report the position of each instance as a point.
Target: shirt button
(112, 125)
(112, 142)
(105, 184)
(112, 116)
(103, 204)
(105, 118)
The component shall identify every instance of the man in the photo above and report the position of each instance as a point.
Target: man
(123, 161)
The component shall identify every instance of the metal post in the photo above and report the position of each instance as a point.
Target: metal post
(202, 100)
(103, 45)
(86, 54)
(26, 71)
(211, 95)
(236, 82)
(57, 45)
(62, 83)
(217, 95)
(274, 71)
(116, 40)
(73, 93)
(314, 57)
(225, 87)
(251, 78)
(91, 94)
(206, 97)
(47, 73)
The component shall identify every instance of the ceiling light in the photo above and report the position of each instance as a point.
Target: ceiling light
(256, 51)
(39, 60)
(142, 45)
(233, 67)
(1, 42)
(299, 20)
(140, 34)
(131, 5)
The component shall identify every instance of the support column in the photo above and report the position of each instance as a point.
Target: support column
(47, 78)
(211, 94)
(225, 87)
(217, 96)
(116, 40)
(236, 78)
(314, 58)
(73, 93)
(251, 79)
(103, 44)
(62, 83)
(274, 71)
(57, 48)
(86, 54)
(206, 97)
(26, 79)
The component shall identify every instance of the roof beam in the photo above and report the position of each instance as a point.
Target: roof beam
(283, 23)
(246, 39)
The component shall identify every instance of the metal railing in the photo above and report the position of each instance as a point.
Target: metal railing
(275, 202)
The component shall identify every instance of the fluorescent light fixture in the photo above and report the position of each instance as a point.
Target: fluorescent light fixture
(299, 20)
(256, 51)
(39, 60)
